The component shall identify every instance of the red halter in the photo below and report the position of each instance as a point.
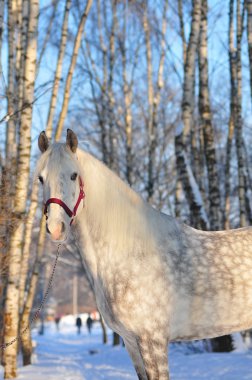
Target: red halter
(70, 213)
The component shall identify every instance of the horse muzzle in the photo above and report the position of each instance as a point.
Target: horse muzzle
(57, 231)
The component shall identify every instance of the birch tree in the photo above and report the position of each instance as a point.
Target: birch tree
(150, 91)
(207, 127)
(113, 161)
(102, 114)
(249, 36)
(232, 74)
(1, 25)
(127, 92)
(21, 33)
(190, 186)
(28, 302)
(10, 145)
(11, 312)
(27, 245)
(238, 118)
(179, 187)
(74, 56)
(57, 76)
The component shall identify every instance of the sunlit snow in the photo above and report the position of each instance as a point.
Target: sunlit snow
(66, 355)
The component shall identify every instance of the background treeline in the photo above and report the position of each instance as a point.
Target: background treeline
(159, 90)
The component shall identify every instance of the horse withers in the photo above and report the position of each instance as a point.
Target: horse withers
(155, 279)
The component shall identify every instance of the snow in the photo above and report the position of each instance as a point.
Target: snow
(239, 343)
(65, 355)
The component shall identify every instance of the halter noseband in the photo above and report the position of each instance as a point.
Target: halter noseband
(59, 202)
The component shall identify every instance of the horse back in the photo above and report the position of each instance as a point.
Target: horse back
(213, 292)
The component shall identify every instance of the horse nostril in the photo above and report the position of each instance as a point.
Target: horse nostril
(63, 227)
(47, 229)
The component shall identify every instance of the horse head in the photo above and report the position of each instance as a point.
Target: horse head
(59, 173)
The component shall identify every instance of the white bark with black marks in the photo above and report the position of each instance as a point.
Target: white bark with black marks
(183, 167)
(207, 126)
(57, 76)
(11, 312)
(77, 43)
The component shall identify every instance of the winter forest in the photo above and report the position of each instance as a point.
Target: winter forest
(159, 90)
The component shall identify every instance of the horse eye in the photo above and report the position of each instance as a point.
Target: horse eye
(74, 176)
(41, 179)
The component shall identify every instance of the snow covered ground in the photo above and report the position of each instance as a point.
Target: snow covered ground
(65, 355)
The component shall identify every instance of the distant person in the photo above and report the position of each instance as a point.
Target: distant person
(89, 323)
(57, 321)
(78, 324)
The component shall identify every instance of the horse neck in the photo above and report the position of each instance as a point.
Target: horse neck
(113, 212)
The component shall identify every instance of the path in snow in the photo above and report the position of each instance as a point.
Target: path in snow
(66, 355)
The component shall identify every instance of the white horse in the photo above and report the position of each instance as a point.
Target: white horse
(155, 279)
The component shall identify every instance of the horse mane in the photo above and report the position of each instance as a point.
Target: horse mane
(114, 210)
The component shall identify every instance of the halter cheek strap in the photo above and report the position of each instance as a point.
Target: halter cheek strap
(70, 213)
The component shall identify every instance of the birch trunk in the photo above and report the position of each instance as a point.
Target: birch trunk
(248, 184)
(58, 71)
(11, 312)
(67, 89)
(128, 128)
(127, 92)
(103, 88)
(178, 198)
(1, 26)
(113, 162)
(155, 105)
(227, 173)
(207, 127)
(24, 34)
(198, 159)
(27, 245)
(198, 215)
(179, 187)
(3, 247)
(150, 129)
(238, 121)
(104, 331)
(24, 147)
(249, 34)
(116, 339)
(189, 70)
(182, 28)
(232, 73)
(18, 69)
(26, 338)
(10, 147)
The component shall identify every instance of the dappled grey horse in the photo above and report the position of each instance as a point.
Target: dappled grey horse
(155, 279)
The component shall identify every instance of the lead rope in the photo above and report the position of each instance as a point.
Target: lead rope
(35, 316)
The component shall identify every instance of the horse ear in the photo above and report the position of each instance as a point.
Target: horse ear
(43, 142)
(71, 140)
